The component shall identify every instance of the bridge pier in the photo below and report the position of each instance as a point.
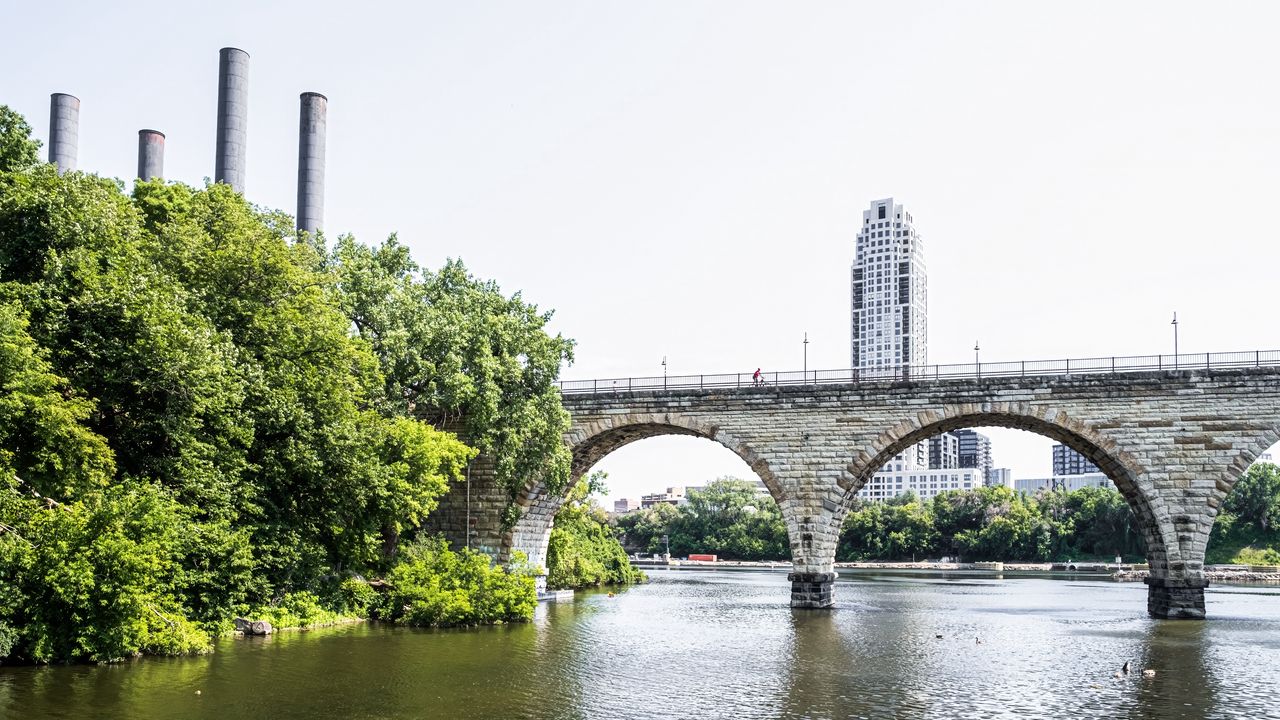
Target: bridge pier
(812, 590)
(1176, 599)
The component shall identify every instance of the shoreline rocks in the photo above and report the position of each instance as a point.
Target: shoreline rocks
(246, 626)
(1220, 576)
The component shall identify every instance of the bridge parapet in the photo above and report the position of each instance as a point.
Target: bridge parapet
(1111, 365)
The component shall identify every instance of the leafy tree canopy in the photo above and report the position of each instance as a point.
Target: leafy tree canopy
(218, 415)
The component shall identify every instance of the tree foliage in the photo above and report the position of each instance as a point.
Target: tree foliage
(583, 550)
(434, 586)
(728, 518)
(993, 523)
(1255, 498)
(18, 149)
(201, 413)
(1247, 529)
(455, 352)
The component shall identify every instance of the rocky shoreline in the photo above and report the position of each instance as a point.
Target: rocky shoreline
(1220, 576)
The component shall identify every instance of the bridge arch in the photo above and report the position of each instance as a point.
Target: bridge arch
(591, 442)
(1125, 471)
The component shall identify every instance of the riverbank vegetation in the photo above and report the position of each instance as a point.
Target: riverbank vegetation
(991, 523)
(994, 523)
(1247, 531)
(584, 550)
(203, 415)
(728, 518)
(731, 520)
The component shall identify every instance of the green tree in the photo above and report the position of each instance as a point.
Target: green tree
(43, 439)
(583, 550)
(456, 353)
(726, 518)
(193, 424)
(91, 580)
(642, 530)
(1255, 498)
(434, 586)
(18, 149)
(900, 530)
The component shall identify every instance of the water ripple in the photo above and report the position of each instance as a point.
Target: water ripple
(706, 644)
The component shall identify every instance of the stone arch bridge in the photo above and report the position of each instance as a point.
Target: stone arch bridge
(1173, 442)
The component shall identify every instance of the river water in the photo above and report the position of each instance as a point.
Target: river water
(703, 644)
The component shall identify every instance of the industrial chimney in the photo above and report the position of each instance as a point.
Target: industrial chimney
(64, 130)
(150, 154)
(233, 117)
(312, 123)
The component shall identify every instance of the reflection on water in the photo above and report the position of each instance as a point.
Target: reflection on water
(707, 644)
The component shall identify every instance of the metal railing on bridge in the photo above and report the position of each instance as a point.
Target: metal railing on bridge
(925, 373)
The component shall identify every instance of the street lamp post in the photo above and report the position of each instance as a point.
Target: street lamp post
(977, 365)
(806, 357)
(664, 372)
(1175, 338)
(666, 544)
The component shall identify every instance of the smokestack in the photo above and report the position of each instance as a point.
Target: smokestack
(150, 154)
(64, 130)
(312, 123)
(233, 117)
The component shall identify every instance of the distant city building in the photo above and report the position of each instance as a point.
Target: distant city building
(1264, 457)
(915, 457)
(1000, 477)
(1069, 462)
(1063, 482)
(888, 291)
(626, 505)
(888, 301)
(944, 452)
(974, 450)
(924, 483)
(673, 496)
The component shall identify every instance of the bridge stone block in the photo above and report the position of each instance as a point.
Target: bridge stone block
(1176, 599)
(812, 590)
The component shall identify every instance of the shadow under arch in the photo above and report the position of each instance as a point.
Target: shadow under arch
(591, 442)
(1120, 467)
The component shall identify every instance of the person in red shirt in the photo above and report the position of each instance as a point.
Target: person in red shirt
(757, 378)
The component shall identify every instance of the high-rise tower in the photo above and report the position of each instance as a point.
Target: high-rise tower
(889, 304)
(889, 294)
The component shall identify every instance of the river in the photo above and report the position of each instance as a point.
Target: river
(708, 644)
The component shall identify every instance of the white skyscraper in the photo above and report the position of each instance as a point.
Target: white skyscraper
(889, 304)
(889, 293)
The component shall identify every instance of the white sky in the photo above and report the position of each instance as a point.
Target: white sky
(684, 179)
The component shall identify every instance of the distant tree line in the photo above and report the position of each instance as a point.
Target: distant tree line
(728, 518)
